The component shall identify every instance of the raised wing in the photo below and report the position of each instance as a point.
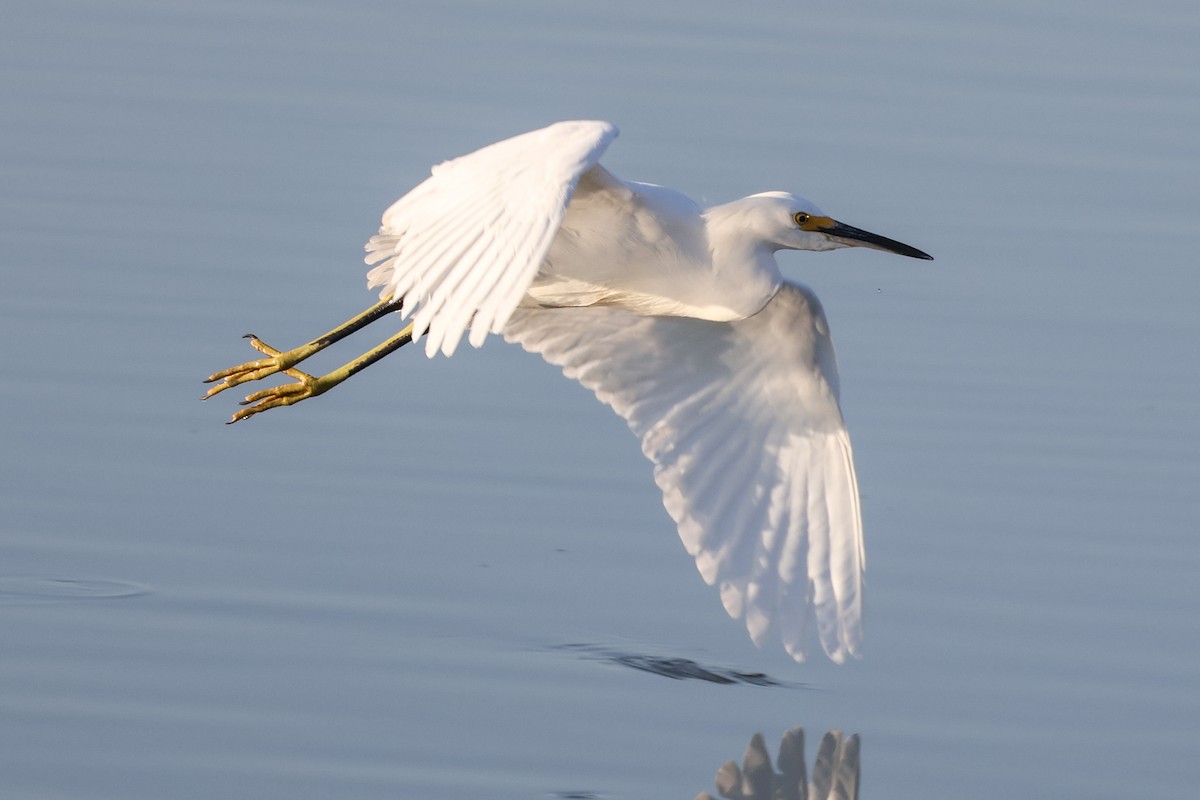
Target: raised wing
(462, 248)
(742, 423)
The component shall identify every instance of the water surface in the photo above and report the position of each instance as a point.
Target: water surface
(376, 594)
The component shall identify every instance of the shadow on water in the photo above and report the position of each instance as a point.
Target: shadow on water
(674, 667)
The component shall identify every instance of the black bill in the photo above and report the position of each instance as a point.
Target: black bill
(857, 237)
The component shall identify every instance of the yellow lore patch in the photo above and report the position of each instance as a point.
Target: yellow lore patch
(808, 222)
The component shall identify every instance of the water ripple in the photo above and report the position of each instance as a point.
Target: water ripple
(24, 589)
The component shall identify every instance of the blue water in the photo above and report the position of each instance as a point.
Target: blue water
(401, 590)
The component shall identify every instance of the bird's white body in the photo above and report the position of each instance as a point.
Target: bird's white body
(648, 249)
(535, 220)
(676, 317)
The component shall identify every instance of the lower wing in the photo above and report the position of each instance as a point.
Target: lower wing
(742, 424)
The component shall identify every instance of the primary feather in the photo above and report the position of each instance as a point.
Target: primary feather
(465, 245)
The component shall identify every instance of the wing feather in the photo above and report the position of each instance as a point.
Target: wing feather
(462, 248)
(742, 424)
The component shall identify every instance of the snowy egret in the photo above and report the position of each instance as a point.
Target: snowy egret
(676, 317)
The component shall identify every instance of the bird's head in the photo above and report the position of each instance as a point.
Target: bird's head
(786, 221)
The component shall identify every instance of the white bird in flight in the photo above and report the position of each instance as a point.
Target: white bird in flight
(675, 316)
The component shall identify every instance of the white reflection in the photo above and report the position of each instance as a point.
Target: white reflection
(834, 774)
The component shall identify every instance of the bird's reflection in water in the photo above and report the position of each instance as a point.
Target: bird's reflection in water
(834, 773)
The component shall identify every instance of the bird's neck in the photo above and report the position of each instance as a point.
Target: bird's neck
(743, 264)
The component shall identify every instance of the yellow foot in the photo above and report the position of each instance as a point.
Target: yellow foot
(306, 386)
(252, 370)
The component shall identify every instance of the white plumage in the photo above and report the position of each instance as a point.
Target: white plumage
(466, 244)
(676, 317)
(741, 422)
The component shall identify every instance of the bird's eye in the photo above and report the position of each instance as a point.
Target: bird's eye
(801, 217)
